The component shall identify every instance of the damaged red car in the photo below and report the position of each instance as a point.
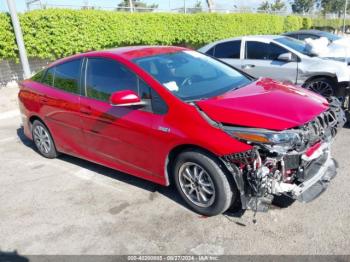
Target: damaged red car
(173, 115)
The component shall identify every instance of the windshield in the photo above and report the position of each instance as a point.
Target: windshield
(331, 37)
(190, 75)
(295, 44)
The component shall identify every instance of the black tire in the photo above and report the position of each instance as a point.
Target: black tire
(322, 85)
(43, 140)
(225, 191)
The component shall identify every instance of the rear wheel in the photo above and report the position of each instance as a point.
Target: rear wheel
(203, 184)
(43, 140)
(322, 85)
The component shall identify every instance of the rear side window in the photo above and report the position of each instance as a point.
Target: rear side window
(48, 80)
(230, 49)
(38, 77)
(211, 51)
(263, 51)
(67, 76)
(64, 76)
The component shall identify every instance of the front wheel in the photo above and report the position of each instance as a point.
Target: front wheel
(203, 184)
(322, 86)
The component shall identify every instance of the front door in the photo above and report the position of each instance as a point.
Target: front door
(261, 60)
(116, 135)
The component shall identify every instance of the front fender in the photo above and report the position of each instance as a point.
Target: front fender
(322, 67)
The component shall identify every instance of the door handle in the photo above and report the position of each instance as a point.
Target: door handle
(86, 110)
(248, 66)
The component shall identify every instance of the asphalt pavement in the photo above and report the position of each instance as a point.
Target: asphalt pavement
(72, 206)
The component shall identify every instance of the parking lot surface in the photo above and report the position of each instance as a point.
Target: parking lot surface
(71, 206)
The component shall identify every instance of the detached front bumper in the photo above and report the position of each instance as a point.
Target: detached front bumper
(317, 170)
(316, 184)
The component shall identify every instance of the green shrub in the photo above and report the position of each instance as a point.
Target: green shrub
(307, 23)
(55, 33)
(292, 23)
(334, 24)
(8, 47)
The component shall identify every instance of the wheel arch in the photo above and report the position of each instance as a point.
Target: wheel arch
(36, 117)
(174, 152)
(329, 76)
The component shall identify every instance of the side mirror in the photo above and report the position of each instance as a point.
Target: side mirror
(125, 98)
(286, 57)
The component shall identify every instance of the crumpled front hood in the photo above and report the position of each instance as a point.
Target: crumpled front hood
(265, 104)
(343, 42)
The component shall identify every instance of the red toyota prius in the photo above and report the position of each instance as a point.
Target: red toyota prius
(173, 115)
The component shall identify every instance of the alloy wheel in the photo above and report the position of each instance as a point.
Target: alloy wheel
(321, 87)
(42, 139)
(196, 184)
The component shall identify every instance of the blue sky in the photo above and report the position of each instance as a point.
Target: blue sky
(163, 4)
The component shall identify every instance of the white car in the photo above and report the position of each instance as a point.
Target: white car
(285, 59)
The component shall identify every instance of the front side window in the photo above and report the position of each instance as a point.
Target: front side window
(190, 75)
(67, 76)
(104, 76)
(297, 45)
(230, 49)
(263, 51)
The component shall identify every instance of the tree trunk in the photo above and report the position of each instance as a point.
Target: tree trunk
(210, 4)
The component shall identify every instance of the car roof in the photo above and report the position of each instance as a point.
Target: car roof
(262, 38)
(311, 31)
(266, 37)
(128, 53)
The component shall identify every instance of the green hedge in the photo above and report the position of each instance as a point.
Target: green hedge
(8, 48)
(55, 33)
(334, 24)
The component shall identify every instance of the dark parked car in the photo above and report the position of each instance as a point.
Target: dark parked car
(313, 34)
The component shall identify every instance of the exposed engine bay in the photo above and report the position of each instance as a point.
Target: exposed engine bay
(296, 162)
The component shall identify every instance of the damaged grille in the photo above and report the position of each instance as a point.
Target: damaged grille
(246, 157)
(326, 124)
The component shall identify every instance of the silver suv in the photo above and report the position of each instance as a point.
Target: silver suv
(285, 59)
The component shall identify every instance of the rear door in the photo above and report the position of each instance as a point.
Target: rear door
(229, 52)
(261, 60)
(120, 136)
(60, 105)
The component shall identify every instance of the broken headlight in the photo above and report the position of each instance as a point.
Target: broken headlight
(263, 136)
